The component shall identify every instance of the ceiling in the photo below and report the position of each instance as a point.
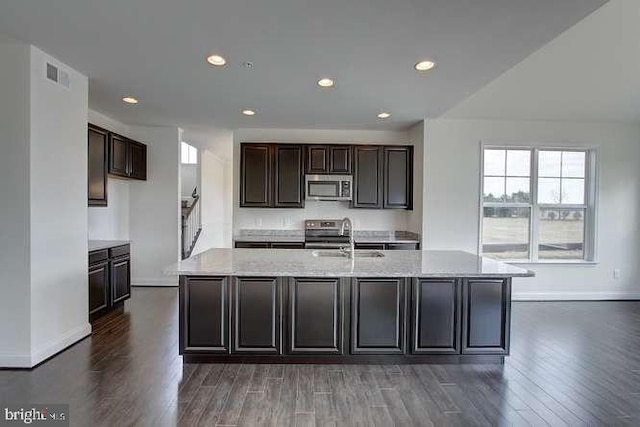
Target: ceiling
(155, 50)
(589, 74)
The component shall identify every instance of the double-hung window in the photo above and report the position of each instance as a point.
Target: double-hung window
(538, 204)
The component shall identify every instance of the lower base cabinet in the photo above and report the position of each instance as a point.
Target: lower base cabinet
(109, 279)
(272, 317)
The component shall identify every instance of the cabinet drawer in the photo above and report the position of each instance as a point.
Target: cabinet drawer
(120, 251)
(98, 256)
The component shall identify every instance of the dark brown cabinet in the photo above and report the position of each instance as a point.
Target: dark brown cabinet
(257, 309)
(205, 321)
(328, 159)
(486, 314)
(271, 176)
(378, 316)
(109, 279)
(436, 316)
(367, 177)
(388, 246)
(286, 245)
(127, 158)
(398, 178)
(98, 155)
(315, 317)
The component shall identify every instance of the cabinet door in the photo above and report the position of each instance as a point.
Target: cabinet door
(402, 246)
(377, 316)
(367, 177)
(255, 175)
(486, 313)
(120, 279)
(98, 140)
(118, 155)
(436, 316)
(252, 245)
(315, 316)
(98, 287)
(256, 316)
(370, 246)
(287, 245)
(398, 178)
(138, 160)
(340, 160)
(288, 177)
(317, 159)
(205, 319)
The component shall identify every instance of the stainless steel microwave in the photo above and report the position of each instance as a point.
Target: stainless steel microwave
(328, 187)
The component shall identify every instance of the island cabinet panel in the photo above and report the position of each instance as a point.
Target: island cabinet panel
(98, 287)
(315, 316)
(255, 170)
(378, 316)
(486, 314)
(288, 181)
(367, 177)
(205, 304)
(436, 316)
(256, 315)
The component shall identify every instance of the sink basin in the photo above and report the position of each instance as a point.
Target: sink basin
(341, 254)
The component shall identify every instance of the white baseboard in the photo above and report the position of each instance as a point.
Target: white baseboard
(574, 296)
(43, 352)
(54, 346)
(168, 281)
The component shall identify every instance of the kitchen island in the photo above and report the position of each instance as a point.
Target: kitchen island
(306, 306)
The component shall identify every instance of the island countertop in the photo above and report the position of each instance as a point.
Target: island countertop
(303, 263)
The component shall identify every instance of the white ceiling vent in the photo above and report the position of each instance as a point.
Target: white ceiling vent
(58, 76)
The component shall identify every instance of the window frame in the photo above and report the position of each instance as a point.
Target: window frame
(589, 206)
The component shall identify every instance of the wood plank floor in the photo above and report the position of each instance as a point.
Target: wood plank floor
(572, 363)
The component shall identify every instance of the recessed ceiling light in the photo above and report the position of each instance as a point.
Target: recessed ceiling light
(248, 112)
(326, 82)
(130, 100)
(384, 115)
(216, 60)
(424, 65)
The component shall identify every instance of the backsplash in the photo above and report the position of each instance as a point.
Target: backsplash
(293, 219)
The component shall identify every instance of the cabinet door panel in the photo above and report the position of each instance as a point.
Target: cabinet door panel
(120, 279)
(315, 317)
(252, 245)
(255, 175)
(370, 246)
(398, 177)
(402, 246)
(288, 176)
(367, 177)
(436, 317)
(205, 303)
(256, 315)
(98, 145)
(317, 159)
(377, 316)
(340, 160)
(138, 160)
(118, 156)
(486, 311)
(98, 287)
(287, 245)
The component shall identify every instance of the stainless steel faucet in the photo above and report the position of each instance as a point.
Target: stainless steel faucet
(352, 244)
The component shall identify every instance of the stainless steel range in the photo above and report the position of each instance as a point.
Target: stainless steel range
(326, 234)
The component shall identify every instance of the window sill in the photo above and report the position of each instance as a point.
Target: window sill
(551, 262)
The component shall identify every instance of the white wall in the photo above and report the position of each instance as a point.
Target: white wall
(59, 290)
(189, 179)
(451, 216)
(370, 219)
(15, 321)
(154, 208)
(110, 222)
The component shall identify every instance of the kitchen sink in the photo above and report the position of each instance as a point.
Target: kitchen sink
(342, 254)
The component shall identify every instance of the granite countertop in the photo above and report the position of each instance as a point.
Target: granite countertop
(96, 245)
(282, 262)
(361, 236)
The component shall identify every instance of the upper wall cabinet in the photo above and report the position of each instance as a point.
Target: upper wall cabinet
(98, 140)
(328, 159)
(398, 178)
(367, 177)
(127, 158)
(271, 176)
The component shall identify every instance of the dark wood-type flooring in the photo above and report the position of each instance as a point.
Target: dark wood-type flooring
(572, 363)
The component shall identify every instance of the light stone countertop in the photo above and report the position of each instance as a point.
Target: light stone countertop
(96, 245)
(297, 236)
(302, 263)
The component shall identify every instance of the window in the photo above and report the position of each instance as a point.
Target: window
(188, 154)
(537, 204)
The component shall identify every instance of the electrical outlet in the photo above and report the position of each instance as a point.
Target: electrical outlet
(616, 273)
(258, 222)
